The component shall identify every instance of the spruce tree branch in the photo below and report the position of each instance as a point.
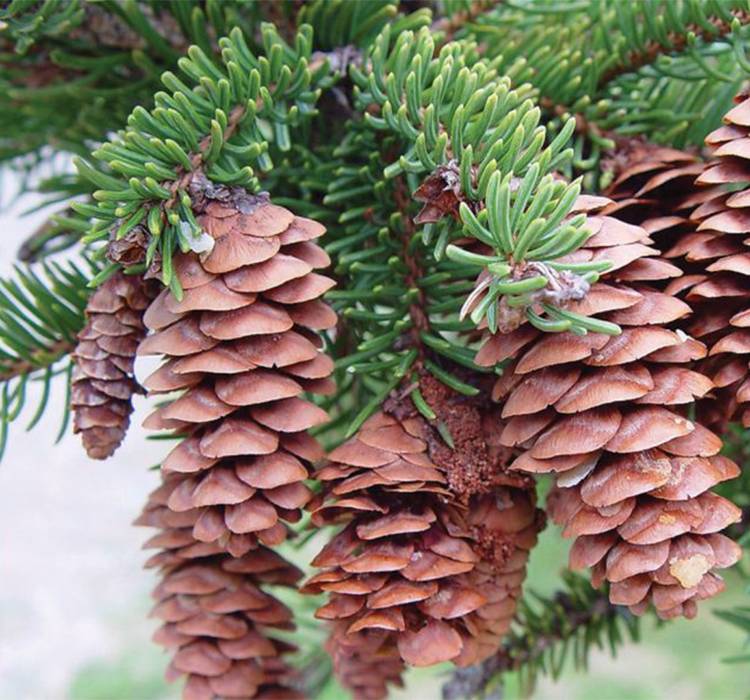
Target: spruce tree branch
(672, 70)
(43, 312)
(42, 358)
(654, 49)
(184, 176)
(452, 24)
(524, 649)
(42, 315)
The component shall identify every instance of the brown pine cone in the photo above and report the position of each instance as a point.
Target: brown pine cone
(721, 296)
(606, 414)
(242, 346)
(655, 189)
(440, 572)
(215, 616)
(103, 383)
(367, 663)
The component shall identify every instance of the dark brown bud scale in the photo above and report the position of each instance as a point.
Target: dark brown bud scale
(441, 194)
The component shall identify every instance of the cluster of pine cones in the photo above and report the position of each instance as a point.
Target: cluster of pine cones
(430, 558)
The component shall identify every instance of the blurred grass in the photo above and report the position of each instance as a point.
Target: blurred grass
(680, 660)
(135, 675)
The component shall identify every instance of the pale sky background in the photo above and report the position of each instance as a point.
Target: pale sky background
(72, 587)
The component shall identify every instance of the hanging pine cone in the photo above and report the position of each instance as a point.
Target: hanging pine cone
(605, 414)
(366, 662)
(656, 190)
(721, 295)
(103, 382)
(440, 578)
(215, 616)
(241, 343)
(402, 546)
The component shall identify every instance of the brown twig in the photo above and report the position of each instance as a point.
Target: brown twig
(450, 25)
(520, 650)
(654, 49)
(420, 321)
(48, 356)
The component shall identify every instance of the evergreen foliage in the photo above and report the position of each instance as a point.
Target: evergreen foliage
(665, 70)
(446, 147)
(42, 310)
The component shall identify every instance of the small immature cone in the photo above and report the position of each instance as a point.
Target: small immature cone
(215, 616)
(103, 382)
(414, 563)
(606, 414)
(242, 347)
